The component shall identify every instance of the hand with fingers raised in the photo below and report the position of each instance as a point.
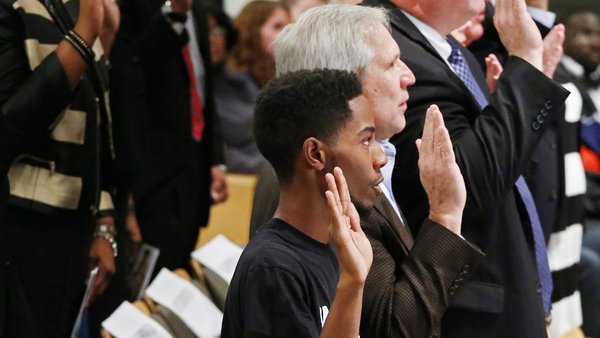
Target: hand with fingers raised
(518, 32)
(439, 173)
(352, 246)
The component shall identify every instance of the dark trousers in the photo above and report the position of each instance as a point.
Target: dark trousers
(50, 255)
(15, 319)
(171, 218)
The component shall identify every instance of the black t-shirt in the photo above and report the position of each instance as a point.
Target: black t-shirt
(283, 285)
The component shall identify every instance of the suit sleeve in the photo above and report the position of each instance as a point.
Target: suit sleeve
(29, 99)
(409, 299)
(491, 146)
(160, 42)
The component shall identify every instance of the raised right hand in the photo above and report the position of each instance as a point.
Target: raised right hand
(439, 173)
(518, 31)
(352, 247)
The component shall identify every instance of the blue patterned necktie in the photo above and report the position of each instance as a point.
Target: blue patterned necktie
(462, 69)
(539, 242)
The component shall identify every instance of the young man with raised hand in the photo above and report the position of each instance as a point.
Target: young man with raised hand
(289, 281)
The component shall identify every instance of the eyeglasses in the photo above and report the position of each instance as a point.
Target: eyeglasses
(217, 32)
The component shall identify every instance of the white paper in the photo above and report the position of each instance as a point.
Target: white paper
(187, 302)
(129, 322)
(220, 255)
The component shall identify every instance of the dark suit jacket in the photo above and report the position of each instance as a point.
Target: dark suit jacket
(411, 282)
(492, 147)
(152, 89)
(546, 172)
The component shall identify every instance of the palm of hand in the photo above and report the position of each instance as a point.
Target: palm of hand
(440, 175)
(353, 249)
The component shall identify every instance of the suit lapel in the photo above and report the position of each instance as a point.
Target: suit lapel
(402, 23)
(383, 206)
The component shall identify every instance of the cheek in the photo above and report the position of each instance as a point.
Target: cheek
(217, 44)
(267, 38)
(356, 181)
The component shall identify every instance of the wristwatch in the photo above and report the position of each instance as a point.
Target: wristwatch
(167, 10)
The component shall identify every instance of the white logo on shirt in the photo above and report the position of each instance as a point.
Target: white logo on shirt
(324, 311)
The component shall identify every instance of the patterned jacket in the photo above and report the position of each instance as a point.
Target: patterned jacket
(67, 150)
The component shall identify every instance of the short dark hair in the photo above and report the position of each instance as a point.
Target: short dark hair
(299, 105)
(223, 20)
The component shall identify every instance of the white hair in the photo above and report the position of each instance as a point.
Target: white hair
(332, 36)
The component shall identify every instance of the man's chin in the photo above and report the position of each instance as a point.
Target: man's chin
(363, 206)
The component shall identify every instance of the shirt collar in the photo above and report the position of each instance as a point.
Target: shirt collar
(437, 40)
(388, 148)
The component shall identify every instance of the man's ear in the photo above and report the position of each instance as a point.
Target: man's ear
(314, 153)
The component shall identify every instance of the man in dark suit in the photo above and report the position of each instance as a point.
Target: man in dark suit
(493, 137)
(180, 176)
(555, 172)
(169, 153)
(416, 287)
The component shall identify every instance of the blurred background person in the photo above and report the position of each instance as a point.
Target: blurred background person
(579, 64)
(297, 7)
(166, 54)
(554, 172)
(222, 37)
(248, 68)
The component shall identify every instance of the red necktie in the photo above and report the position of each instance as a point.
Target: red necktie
(196, 110)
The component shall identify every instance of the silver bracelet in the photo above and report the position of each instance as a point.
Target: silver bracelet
(110, 229)
(110, 239)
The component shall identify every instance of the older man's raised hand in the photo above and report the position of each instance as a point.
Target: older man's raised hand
(440, 175)
(518, 32)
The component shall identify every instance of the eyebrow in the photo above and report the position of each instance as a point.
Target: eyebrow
(369, 129)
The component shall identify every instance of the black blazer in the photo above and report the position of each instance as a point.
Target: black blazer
(546, 171)
(492, 147)
(150, 70)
